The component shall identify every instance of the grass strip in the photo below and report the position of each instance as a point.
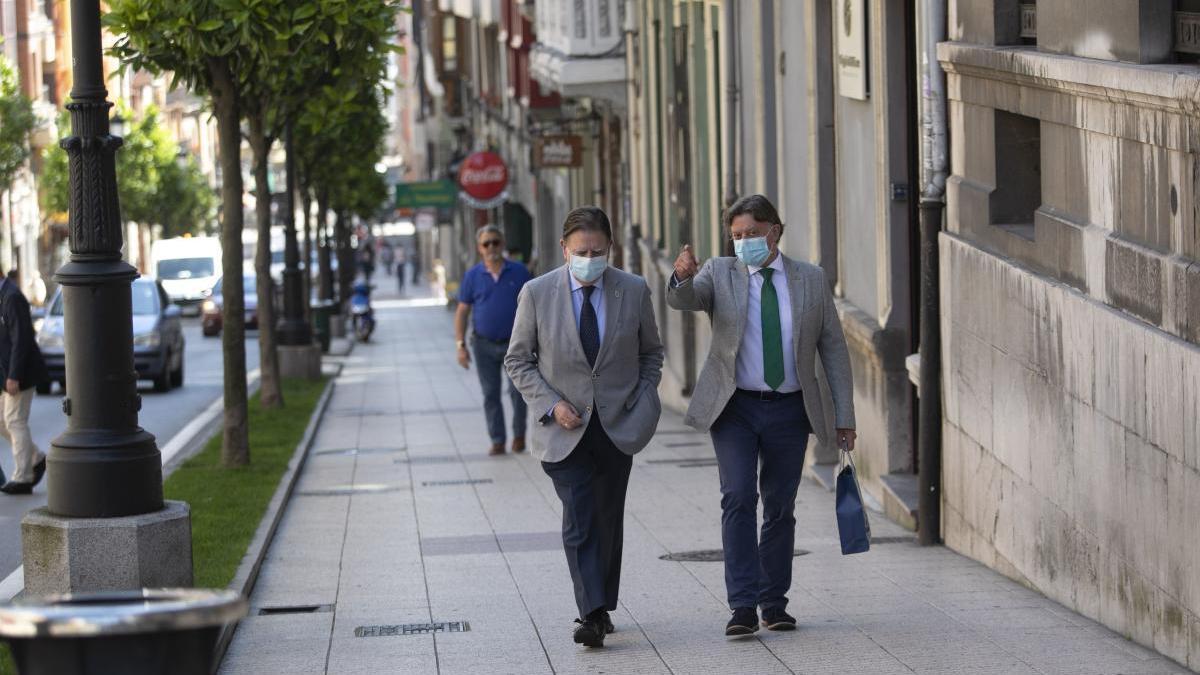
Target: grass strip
(228, 504)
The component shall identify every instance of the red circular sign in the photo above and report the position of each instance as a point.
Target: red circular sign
(483, 175)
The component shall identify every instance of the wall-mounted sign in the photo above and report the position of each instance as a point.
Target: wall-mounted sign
(483, 178)
(851, 48)
(558, 152)
(441, 193)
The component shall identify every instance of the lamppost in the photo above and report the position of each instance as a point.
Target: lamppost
(105, 524)
(299, 356)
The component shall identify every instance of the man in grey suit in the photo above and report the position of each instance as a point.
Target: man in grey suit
(758, 397)
(586, 356)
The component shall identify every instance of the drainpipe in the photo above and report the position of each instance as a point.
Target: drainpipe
(932, 29)
(733, 157)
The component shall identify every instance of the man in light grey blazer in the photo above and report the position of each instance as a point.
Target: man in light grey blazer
(772, 317)
(586, 356)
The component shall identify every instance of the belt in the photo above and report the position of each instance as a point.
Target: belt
(491, 340)
(768, 395)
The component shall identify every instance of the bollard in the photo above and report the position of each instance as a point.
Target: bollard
(139, 632)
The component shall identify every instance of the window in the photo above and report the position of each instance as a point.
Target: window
(185, 268)
(1018, 192)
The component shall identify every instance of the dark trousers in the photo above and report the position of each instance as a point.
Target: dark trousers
(758, 566)
(591, 484)
(489, 365)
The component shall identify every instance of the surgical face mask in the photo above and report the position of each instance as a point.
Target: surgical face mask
(587, 269)
(752, 251)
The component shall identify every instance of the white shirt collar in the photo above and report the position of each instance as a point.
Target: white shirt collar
(776, 264)
(575, 285)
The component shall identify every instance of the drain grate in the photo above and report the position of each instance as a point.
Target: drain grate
(412, 629)
(681, 460)
(294, 609)
(902, 539)
(684, 444)
(361, 412)
(460, 481)
(708, 555)
(344, 490)
(360, 451)
(429, 459)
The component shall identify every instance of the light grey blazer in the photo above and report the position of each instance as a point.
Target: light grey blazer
(722, 289)
(546, 362)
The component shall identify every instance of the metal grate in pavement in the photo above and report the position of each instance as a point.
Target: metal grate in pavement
(294, 609)
(362, 412)
(684, 444)
(708, 555)
(686, 462)
(412, 629)
(345, 490)
(429, 459)
(902, 539)
(360, 451)
(459, 481)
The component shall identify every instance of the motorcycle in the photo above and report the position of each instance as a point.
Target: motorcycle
(361, 313)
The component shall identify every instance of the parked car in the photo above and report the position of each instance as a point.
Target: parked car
(157, 338)
(211, 318)
(187, 266)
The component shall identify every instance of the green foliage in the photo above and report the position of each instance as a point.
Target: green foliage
(16, 121)
(153, 188)
(227, 504)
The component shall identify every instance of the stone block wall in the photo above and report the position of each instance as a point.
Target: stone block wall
(1072, 448)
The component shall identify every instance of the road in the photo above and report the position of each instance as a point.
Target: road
(162, 415)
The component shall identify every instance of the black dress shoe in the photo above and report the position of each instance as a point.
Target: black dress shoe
(590, 632)
(39, 470)
(606, 620)
(775, 618)
(744, 622)
(12, 487)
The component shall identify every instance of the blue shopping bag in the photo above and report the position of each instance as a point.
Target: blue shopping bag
(853, 526)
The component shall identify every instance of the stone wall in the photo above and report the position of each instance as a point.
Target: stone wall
(1072, 448)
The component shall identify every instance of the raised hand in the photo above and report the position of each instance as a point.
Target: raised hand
(686, 264)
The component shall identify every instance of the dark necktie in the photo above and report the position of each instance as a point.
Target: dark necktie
(772, 334)
(589, 327)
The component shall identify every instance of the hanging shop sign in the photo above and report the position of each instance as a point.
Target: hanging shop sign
(483, 178)
(852, 48)
(433, 193)
(558, 152)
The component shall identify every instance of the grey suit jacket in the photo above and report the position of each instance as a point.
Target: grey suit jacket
(546, 362)
(722, 289)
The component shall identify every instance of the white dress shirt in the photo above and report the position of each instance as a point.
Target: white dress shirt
(749, 373)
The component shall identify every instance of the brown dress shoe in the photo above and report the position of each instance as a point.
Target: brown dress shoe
(496, 449)
(518, 444)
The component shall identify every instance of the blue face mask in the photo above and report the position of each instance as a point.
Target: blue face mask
(587, 269)
(752, 251)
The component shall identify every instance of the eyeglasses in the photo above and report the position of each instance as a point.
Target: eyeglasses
(490, 243)
(735, 236)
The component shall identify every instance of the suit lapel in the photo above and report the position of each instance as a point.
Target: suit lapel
(739, 277)
(566, 309)
(612, 313)
(797, 289)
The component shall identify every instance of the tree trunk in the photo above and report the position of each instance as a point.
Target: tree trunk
(306, 198)
(324, 241)
(270, 393)
(345, 254)
(235, 445)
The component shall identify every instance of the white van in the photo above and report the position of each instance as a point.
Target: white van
(187, 267)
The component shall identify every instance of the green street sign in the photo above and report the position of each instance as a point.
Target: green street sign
(437, 193)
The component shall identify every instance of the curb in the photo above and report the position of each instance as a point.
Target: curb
(247, 572)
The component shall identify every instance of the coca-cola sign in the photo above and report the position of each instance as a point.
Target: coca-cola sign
(483, 176)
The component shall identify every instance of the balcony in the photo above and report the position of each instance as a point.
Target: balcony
(581, 48)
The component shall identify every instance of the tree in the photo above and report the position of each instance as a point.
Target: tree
(16, 122)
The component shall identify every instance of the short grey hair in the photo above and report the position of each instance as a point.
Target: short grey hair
(485, 230)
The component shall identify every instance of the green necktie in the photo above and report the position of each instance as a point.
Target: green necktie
(771, 333)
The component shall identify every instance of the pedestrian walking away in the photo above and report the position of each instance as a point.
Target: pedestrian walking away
(401, 256)
(758, 397)
(586, 355)
(23, 368)
(487, 298)
(386, 256)
(366, 258)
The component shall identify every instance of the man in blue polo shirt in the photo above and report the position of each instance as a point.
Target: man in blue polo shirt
(491, 288)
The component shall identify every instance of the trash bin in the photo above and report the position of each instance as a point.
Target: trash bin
(321, 309)
(139, 632)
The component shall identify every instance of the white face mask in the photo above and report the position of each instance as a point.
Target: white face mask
(587, 269)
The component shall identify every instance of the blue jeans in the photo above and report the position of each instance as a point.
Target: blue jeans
(489, 365)
(758, 566)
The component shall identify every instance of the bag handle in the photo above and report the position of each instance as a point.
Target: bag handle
(845, 459)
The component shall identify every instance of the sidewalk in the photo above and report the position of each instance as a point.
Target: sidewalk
(401, 519)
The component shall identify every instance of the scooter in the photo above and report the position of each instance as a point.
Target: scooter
(360, 311)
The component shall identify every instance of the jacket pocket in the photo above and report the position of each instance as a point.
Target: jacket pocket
(636, 395)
